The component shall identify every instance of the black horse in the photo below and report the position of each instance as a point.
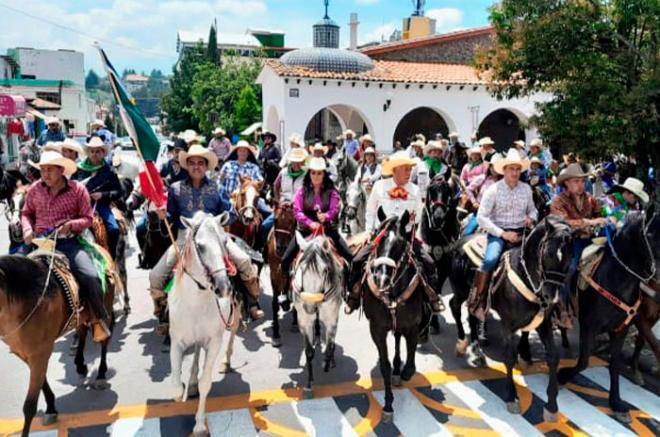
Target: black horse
(394, 300)
(154, 239)
(627, 261)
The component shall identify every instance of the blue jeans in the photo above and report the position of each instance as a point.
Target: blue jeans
(111, 227)
(267, 216)
(493, 252)
(579, 244)
(472, 226)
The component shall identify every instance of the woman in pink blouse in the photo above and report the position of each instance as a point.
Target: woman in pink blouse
(475, 166)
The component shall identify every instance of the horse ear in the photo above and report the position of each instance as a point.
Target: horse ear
(187, 222)
(403, 223)
(381, 214)
(302, 243)
(223, 219)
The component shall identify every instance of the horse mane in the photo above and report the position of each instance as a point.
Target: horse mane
(22, 279)
(313, 255)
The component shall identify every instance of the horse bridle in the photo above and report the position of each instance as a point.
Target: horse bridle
(647, 244)
(190, 242)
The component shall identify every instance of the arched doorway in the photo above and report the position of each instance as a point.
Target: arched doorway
(422, 120)
(331, 121)
(504, 127)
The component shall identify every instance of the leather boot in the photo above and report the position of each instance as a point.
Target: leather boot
(252, 287)
(477, 298)
(100, 331)
(159, 297)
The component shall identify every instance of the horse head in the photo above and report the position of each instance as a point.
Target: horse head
(392, 250)
(356, 197)
(317, 272)
(632, 244)
(204, 253)
(245, 200)
(13, 215)
(441, 201)
(285, 224)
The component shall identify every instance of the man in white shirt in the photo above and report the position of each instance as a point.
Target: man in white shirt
(505, 210)
(394, 196)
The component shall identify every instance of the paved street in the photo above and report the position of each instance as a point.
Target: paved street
(261, 396)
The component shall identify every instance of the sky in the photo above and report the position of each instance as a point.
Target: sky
(141, 34)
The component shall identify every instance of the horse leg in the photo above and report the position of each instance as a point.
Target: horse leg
(50, 416)
(294, 324)
(524, 351)
(461, 344)
(230, 348)
(645, 322)
(275, 307)
(564, 339)
(380, 340)
(205, 386)
(101, 383)
(396, 362)
(552, 359)
(479, 358)
(616, 404)
(587, 339)
(193, 381)
(307, 324)
(411, 347)
(510, 355)
(38, 367)
(634, 361)
(176, 357)
(329, 314)
(81, 367)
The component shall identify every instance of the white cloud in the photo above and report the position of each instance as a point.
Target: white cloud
(446, 19)
(366, 2)
(377, 33)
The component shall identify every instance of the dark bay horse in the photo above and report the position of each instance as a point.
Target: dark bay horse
(394, 300)
(609, 303)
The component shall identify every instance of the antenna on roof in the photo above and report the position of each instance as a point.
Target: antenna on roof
(419, 8)
(327, 3)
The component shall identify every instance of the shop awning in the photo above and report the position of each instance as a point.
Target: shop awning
(12, 106)
(44, 105)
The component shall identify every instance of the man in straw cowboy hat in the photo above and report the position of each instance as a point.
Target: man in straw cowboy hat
(394, 195)
(295, 142)
(72, 150)
(369, 172)
(184, 199)
(103, 186)
(57, 203)
(538, 149)
(487, 147)
(351, 145)
(52, 133)
(100, 130)
(506, 209)
(220, 145)
(623, 198)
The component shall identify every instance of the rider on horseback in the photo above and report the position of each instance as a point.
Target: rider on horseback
(318, 150)
(394, 195)
(172, 171)
(431, 166)
(57, 203)
(370, 171)
(315, 206)
(507, 207)
(184, 199)
(269, 158)
(103, 186)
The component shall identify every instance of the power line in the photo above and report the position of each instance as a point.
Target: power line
(92, 37)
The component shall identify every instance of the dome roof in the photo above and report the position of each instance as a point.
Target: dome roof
(326, 22)
(331, 60)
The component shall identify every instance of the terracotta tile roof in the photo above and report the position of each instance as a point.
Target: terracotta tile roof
(427, 41)
(391, 71)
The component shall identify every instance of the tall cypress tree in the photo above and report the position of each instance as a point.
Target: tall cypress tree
(212, 48)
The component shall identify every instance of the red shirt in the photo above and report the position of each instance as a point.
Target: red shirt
(43, 212)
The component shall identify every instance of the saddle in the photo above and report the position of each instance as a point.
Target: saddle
(121, 219)
(589, 261)
(475, 248)
(99, 231)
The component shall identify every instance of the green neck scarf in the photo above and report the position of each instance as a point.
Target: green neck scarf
(473, 164)
(87, 166)
(435, 165)
(295, 174)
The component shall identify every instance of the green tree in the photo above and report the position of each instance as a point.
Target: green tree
(178, 103)
(92, 80)
(212, 48)
(247, 109)
(598, 59)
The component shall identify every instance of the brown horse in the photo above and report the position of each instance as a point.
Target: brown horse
(248, 222)
(34, 312)
(649, 314)
(278, 240)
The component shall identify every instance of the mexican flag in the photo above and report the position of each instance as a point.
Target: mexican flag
(142, 135)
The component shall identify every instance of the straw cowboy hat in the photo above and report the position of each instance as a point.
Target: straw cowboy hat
(51, 157)
(298, 155)
(98, 122)
(72, 145)
(317, 164)
(512, 158)
(536, 160)
(369, 150)
(297, 139)
(486, 141)
(519, 143)
(433, 145)
(245, 145)
(398, 159)
(633, 185)
(319, 147)
(55, 146)
(536, 142)
(219, 131)
(96, 142)
(53, 120)
(474, 150)
(349, 132)
(570, 172)
(418, 143)
(190, 137)
(200, 151)
(493, 159)
(366, 137)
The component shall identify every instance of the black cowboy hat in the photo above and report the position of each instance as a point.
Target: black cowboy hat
(269, 134)
(180, 144)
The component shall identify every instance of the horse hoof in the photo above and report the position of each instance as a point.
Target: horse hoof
(82, 371)
(200, 433)
(277, 342)
(193, 391)
(622, 416)
(461, 347)
(308, 393)
(387, 417)
(49, 419)
(550, 417)
(100, 385)
(513, 407)
(396, 380)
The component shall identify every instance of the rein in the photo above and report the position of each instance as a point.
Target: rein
(626, 268)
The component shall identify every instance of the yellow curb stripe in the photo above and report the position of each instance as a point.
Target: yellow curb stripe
(264, 424)
(444, 408)
(371, 420)
(635, 423)
(471, 432)
(593, 392)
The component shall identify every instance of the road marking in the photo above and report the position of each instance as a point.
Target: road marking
(632, 393)
(492, 409)
(233, 423)
(411, 417)
(322, 418)
(135, 427)
(579, 411)
(52, 433)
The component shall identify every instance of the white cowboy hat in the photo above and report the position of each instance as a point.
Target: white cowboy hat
(349, 132)
(486, 141)
(200, 151)
(418, 143)
(98, 122)
(319, 147)
(570, 172)
(474, 150)
(298, 155)
(519, 143)
(369, 150)
(317, 164)
(366, 137)
(52, 120)
(297, 139)
(633, 185)
(453, 134)
(219, 131)
(245, 145)
(190, 136)
(51, 157)
(536, 160)
(72, 145)
(512, 158)
(433, 145)
(95, 142)
(397, 159)
(536, 142)
(55, 146)
(493, 159)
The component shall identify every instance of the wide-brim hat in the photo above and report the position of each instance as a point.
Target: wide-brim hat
(197, 150)
(486, 141)
(366, 137)
(536, 142)
(570, 172)
(633, 185)
(519, 143)
(418, 143)
(433, 145)
(219, 131)
(474, 150)
(98, 122)
(512, 158)
(269, 134)
(297, 155)
(243, 144)
(536, 160)
(297, 139)
(53, 120)
(493, 160)
(397, 159)
(317, 164)
(190, 137)
(72, 145)
(51, 157)
(369, 150)
(97, 142)
(55, 146)
(318, 147)
(349, 132)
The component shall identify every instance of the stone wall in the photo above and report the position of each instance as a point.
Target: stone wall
(460, 51)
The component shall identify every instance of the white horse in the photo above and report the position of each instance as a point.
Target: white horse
(317, 287)
(202, 308)
(355, 209)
